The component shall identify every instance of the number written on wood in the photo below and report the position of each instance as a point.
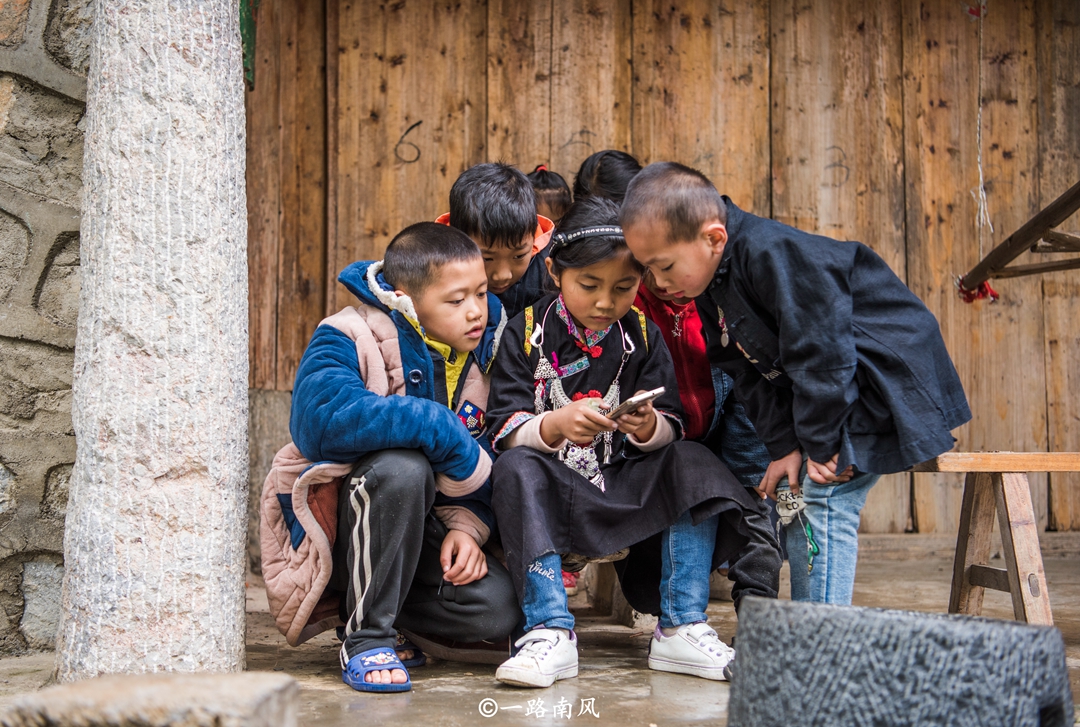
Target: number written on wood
(837, 170)
(406, 151)
(578, 137)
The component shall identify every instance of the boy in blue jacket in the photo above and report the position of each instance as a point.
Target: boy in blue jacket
(397, 387)
(840, 367)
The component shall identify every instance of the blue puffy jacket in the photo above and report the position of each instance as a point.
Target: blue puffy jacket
(337, 416)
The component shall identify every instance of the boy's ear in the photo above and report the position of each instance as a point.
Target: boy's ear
(400, 294)
(716, 233)
(554, 277)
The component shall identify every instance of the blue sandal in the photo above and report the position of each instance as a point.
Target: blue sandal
(371, 660)
(419, 658)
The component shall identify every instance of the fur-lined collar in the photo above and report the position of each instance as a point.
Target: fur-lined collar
(364, 280)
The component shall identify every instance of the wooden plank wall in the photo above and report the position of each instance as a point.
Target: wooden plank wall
(410, 116)
(1058, 97)
(855, 120)
(286, 185)
(701, 92)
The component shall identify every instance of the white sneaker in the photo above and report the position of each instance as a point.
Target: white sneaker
(546, 655)
(694, 649)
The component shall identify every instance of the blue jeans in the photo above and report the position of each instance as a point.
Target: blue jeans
(832, 513)
(684, 581)
(687, 563)
(545, 597)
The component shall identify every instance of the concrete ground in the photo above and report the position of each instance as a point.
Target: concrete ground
(614, 676)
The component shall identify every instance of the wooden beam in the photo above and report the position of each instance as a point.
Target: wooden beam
(1018, 271)
(1051, 216)
(972, 543)
(1054, 241)
(1002, 462)
(1020, 541)
(984, 576)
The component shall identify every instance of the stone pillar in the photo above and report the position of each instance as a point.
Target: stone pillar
(155, 532)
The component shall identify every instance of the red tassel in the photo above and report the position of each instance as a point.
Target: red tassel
(593, 351)
(982, 291)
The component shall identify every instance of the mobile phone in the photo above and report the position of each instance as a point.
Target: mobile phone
(634, 403)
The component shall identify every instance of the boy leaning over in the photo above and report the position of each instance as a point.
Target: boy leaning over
(375, 517)
(841, 368)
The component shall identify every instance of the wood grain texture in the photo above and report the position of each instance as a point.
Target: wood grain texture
(995, 348)
(411, 117)
(837, 122)
(302, 248)
(1020, 540)
(701, 92)
(332, 54)
(972, 543)
(888, 506)
(519, 83)
(1010, 152)
(263, 202)
(1058, 58)
(984, 576)
(590, 81)
(1002, 462)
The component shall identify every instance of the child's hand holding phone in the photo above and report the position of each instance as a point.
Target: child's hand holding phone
(641, 419)
(579, 422)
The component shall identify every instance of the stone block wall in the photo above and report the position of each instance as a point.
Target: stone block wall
(44, 53)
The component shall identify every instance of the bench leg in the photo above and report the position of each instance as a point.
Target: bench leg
(1020, 541)
(972, 542)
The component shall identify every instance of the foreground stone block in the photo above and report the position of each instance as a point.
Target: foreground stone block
(162, 700)
(811, 664)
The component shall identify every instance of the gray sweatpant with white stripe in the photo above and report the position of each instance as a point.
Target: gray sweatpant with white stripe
(386, 562)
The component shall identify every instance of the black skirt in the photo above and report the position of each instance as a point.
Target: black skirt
(542, 506)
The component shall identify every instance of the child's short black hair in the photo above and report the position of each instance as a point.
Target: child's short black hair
(494, 204)
(682, 197)
(552, 190)
(584, 213)
(606, 174)
(416, 254)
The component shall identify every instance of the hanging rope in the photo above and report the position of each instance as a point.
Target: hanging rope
(982, 213)
(983, 291)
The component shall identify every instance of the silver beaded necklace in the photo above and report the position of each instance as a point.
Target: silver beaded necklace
(549, 390)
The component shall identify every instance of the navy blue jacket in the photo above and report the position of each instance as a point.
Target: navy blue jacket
(829, 350)
(336, 418)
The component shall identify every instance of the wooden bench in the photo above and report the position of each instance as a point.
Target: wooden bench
(997, 481)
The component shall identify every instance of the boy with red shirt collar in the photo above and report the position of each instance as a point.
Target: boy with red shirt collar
(713, 417)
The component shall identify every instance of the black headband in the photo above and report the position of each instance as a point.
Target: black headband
(563, 239)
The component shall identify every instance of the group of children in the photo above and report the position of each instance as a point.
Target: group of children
(452, 453)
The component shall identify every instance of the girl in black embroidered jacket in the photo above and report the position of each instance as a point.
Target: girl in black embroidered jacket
(572, 483)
